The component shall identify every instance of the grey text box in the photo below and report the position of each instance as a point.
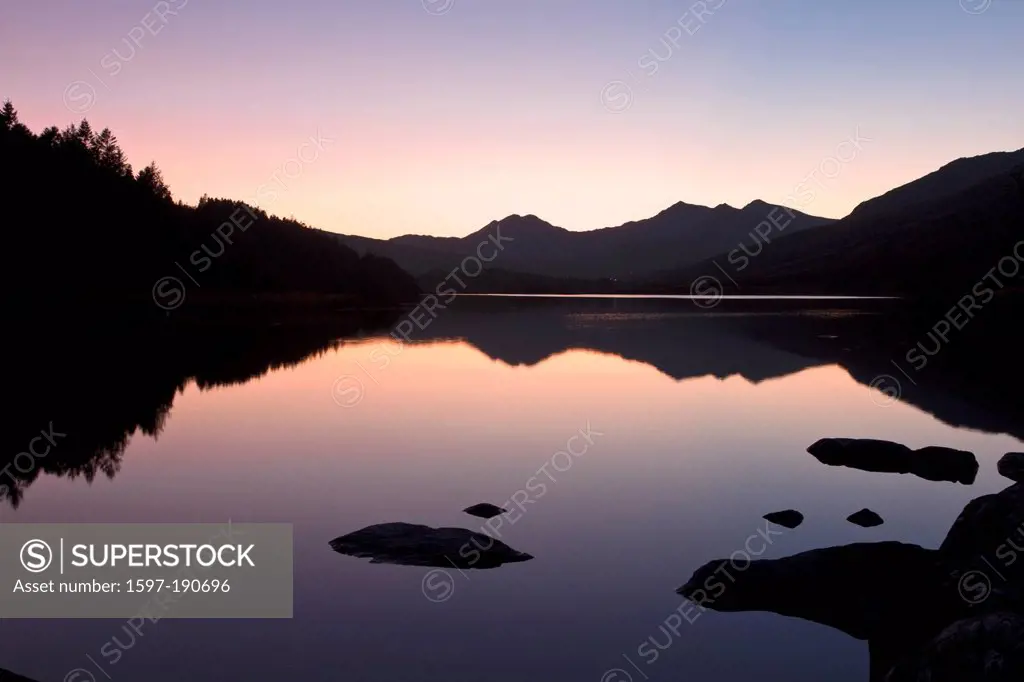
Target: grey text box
(151, 570)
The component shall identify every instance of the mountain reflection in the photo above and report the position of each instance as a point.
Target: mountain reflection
(99, 390)
(971, 382)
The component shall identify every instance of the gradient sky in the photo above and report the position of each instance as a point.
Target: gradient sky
(444, 121)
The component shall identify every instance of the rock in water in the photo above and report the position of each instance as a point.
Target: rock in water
(863, 589)
(986, 523)
(947, 615)
(931, 463)
(881, 455)
(983, 553)
(410, 544)
(937, 463)
(865, 518)
(986, 648)
(789, 518)
(1011, 465)
(485, 510)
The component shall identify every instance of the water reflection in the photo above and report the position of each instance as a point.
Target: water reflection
(973, 382)
(945, 614)
(705, 423)
(102, 390)
(75, 407)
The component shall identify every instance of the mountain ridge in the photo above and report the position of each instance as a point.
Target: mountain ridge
(916, 239)
(950, 178)
(678, 235)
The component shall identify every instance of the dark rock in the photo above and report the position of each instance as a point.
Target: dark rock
(485, 510)
(789, 518)
(1011, 465)
(410, 544)
(861, 589)
(932, 463)
(983, 552)
(985, 648)
(986, 523)
(865, 518)
(922, 620)
(937, 463)
(860, 452)
(888, 593)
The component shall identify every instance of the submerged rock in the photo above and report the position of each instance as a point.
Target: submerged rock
(932, 463)
(865, 518)
(1011, 465)
(411, 544)
(485, 510)
(788, 518)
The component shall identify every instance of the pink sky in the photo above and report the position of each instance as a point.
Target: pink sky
(442, 123)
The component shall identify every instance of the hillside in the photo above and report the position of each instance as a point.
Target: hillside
(898, 244)
(951, 179)
(84, 229)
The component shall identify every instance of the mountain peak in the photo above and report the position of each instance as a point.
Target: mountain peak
(528, 218)
(678, 209)
(517, 226)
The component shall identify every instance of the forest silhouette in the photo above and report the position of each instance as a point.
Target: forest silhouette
(89, 231)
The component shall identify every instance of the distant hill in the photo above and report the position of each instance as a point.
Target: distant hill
(933, 237)
(680, 235)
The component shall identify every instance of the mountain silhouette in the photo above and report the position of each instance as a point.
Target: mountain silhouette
(936, 238)
(928, 237)
(951, 179)
(682, 234)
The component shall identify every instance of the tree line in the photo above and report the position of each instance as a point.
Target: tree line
(83, 228)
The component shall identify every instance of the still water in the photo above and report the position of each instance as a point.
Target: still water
(697, 425)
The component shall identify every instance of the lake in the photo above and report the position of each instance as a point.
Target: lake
(685, 429)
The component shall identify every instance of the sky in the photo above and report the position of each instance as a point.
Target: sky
(389, 117)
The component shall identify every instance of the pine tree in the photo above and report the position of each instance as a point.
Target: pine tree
(99, 144)
(108, 154)
(8, 115)
(116, 161)
(152, 179)
(50, 136)
(85, 134)
(70, 140)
